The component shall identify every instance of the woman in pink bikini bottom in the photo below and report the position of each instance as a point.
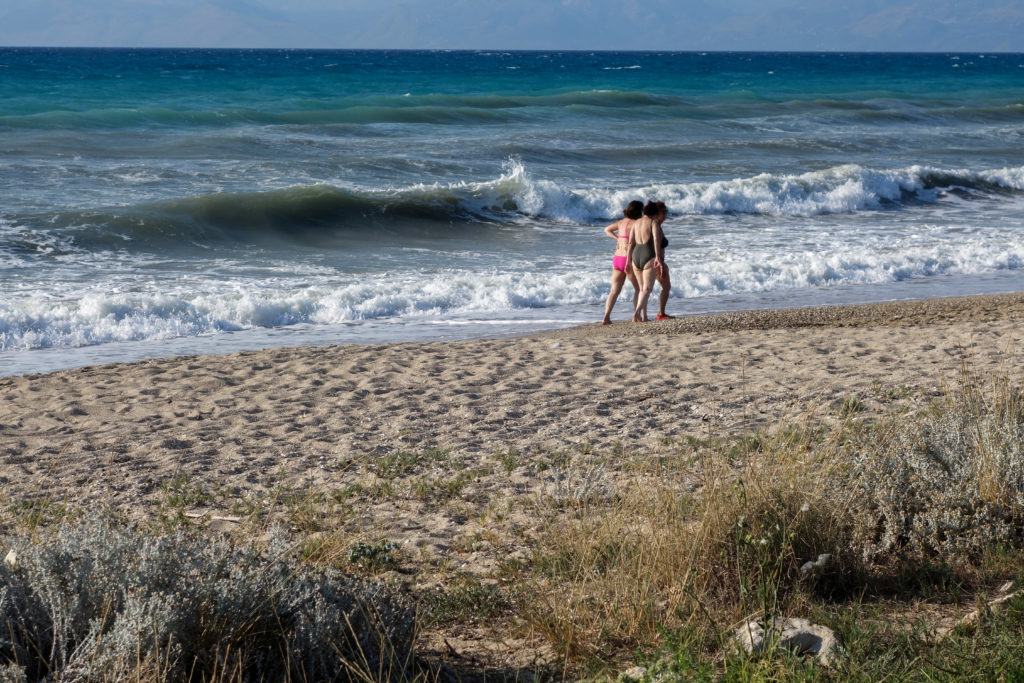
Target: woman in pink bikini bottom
(620, 231)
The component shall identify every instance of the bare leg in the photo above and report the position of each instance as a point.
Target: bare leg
(666, 287)
(631, 274)
(640, 313)
(618, 279)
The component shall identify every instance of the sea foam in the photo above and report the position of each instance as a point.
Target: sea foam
(840, 189)
(209, 307)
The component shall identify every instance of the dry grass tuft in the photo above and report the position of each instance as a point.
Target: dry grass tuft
(942, 487)
(100, 600)
(947, 485)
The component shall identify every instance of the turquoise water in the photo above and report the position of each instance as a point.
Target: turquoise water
(178, 201)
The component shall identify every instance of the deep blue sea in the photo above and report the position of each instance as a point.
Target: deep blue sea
(162, 202)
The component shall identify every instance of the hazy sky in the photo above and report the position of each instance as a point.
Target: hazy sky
(900, 25)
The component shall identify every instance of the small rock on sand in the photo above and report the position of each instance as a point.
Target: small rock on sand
(797, 635)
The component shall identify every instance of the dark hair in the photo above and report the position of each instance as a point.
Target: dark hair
(634, 210)
(652, 209)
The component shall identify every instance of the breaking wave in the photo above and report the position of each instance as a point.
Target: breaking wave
(308, 212)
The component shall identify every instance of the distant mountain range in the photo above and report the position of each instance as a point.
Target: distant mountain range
(810, 25)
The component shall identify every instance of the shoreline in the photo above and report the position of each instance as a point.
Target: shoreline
(726, 311)
(901, 311)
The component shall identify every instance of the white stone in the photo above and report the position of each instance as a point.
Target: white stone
(816, 568)
(637, 673)
(797, 635)
(11, 560)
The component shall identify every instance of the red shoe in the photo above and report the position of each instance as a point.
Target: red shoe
(664, 317)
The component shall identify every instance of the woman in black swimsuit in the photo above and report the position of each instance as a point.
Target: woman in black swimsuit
(658, 212)
(648, 252)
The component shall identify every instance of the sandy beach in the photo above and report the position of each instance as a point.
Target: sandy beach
(317, 417)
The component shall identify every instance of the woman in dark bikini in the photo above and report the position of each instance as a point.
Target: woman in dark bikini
(621, 231)
(648, 252)
(658, 212)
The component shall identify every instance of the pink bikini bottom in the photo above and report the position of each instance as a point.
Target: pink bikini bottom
(619, 263)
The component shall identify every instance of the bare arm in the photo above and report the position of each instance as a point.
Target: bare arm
(659, 251)
(613, 230)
